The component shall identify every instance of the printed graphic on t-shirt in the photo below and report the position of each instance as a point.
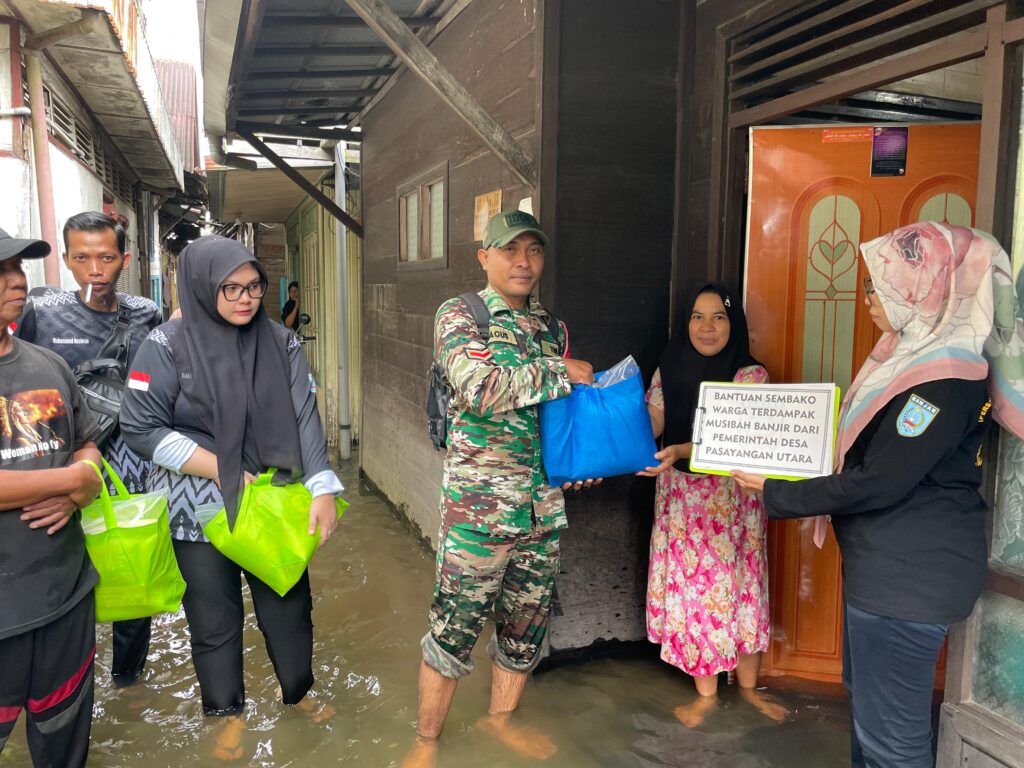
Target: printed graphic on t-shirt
(31, 425)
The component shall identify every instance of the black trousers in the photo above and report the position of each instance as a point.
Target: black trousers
(213, 607)
(131, 645)
(48, 671)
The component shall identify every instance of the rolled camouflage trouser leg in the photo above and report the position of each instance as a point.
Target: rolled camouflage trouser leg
(479, 575)
(524, 603)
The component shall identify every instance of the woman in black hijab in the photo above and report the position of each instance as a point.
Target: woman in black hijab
(214, 398)
(707, 591)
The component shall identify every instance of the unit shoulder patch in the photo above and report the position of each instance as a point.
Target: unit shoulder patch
(916, 416)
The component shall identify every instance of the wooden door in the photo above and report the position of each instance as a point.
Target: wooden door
(812, 202)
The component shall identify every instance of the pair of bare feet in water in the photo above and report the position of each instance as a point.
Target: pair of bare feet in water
(691, 715)
(521, 739)
(228, 739)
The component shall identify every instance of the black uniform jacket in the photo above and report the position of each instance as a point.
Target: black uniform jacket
(906, 508)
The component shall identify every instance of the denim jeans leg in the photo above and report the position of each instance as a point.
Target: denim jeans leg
(891, 677)
(856, 754)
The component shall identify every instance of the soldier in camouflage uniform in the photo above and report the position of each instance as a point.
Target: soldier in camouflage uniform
(500, 521)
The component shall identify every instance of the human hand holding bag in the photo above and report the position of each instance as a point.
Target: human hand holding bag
(129, 542)
(599, 430)
(270, 537)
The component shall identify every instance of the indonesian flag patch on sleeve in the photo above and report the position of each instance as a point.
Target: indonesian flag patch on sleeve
(139, 380)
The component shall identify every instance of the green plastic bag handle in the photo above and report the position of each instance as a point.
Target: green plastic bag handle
(105, 499)
(122, 492)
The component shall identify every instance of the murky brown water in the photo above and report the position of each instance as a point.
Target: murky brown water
(372, 584)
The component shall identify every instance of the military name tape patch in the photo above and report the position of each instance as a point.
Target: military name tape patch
(915, 417)
(504, 335)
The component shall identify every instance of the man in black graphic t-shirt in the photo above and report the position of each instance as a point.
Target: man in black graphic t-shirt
(76, 325)
(47, 620)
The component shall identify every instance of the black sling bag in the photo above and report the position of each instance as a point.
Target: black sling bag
(102, 379)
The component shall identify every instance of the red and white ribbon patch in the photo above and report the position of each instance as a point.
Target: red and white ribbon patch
(479, 354)
(139, 380)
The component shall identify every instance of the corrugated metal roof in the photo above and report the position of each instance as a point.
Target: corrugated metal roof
(178, 85)
(310, 62)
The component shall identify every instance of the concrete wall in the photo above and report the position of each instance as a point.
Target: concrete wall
(491, 48)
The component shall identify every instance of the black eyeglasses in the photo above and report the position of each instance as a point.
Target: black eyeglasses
(869, 286)
(233, 291)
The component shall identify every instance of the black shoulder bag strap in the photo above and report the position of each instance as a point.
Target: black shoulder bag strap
(115, 348)
(555, 329)
(481, 314)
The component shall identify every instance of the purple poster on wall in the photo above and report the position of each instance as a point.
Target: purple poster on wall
(889, 151)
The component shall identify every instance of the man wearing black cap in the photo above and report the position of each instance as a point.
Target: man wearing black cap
(47, 619)
(77, 325)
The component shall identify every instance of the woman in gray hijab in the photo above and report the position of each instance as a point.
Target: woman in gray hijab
(215, 398)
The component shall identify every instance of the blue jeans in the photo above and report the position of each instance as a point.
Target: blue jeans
(889, 672)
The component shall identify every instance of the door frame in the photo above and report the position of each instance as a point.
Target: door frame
(925, 47)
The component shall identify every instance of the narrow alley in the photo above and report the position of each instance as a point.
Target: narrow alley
(370, 588)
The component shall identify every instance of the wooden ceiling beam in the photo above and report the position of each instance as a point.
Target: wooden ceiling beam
(322, 74)
(418, 58)
(296, 20)
(319, 93)
(273, 111)
(828, 38)
(309, 188)
(825, 17)
(935, 56)
(447, 12)
(299, 131)
(898, 39)
(333, 50)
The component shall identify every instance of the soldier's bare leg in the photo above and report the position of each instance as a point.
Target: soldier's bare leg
(691, 715)
(746, 675)
(506, 691)
(521, 622)
(436, 693)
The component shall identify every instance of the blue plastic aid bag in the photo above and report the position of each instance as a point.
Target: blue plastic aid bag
(601, 430)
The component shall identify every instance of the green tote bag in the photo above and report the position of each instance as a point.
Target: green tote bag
(270, 538)
(129, 542)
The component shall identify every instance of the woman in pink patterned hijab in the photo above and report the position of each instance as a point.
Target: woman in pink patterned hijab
(905, 502)
(939, 286)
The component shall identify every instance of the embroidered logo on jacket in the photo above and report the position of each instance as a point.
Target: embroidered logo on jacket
(915, 417)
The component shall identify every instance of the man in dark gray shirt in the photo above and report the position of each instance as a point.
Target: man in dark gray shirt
(76, 325)
(47, 621)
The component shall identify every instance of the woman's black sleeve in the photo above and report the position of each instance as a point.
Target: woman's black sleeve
(147, 409)
(311, 431)
(893, 465)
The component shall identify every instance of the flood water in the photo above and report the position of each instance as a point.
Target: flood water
(371, 587)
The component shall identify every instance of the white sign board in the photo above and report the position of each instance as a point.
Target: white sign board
(779, 430)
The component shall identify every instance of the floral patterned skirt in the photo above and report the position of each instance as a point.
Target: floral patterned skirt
(707, 589)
